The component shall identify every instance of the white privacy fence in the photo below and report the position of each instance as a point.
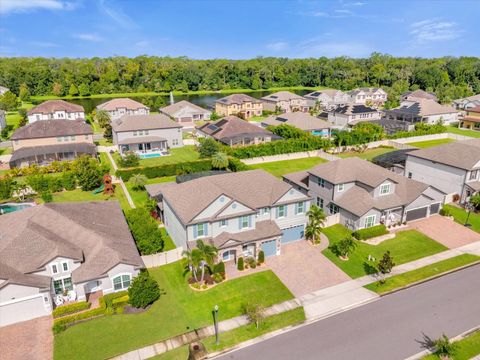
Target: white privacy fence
(163, 258)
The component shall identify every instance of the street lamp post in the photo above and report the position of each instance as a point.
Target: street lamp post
(215, 322)
(468, 207)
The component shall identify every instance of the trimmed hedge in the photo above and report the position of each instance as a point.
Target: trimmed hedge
(145, 231)
(420, 129)
(370, 232)
(70, 309)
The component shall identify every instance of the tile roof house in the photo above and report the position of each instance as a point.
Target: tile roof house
(240, 105)
(286, 101)
(146, 134)
(43, 142)
(116, 108)
(453, 168)
(427, 111)
(56, 110)
(302, 121)
(186, 113)
(471, 120)
(328, 99)
(352, 114)
(365, 195)
(240, 213)
(48, 250)
(368, 96)
(234, 131)
(418, 94)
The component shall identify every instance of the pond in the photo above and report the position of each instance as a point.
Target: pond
(206, 101)
(11, 207)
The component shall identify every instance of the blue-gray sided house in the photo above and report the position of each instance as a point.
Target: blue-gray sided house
(239, 213)
(364, 194)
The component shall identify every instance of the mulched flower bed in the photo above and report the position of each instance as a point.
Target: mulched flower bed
(131, 310)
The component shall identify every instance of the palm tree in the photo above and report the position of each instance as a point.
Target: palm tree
(194, 260)
(316, 215)
(138, 181)
(208, 254)
(312, 232)
(103, 118)
(220, 160)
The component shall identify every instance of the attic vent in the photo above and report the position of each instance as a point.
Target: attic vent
(291, 192)
(222, 199)
(234, 205)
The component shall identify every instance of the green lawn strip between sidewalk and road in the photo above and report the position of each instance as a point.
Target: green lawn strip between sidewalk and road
(460, 216)
(279, 168)
(467, 348)
(430, 143)
(408, 245)
(423, 273)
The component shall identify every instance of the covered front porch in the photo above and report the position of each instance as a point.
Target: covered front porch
(392, 217)
(144, 145)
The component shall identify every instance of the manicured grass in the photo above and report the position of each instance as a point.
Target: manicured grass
(178, 310)
(104, 159)
(467, 348)
(279, 168)
(399, 281)
(103, 142)
(185, 153)
(6, 150)
(13, 118)
(140, 197)
(257, 118)
(431, 143)
(407, 246)
(367, 154)
(180, 353)
(168, 242)
(464, 132)
(460, 216)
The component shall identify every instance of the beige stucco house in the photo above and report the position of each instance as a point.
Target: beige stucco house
(56, 110)
(240, 105)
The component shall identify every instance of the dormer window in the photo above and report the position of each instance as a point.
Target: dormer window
(385, 189)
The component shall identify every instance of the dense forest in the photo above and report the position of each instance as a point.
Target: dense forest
(449, 77)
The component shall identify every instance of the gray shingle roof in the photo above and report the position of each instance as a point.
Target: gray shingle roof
(143, 122)
(237, 99)
(282, 96)
(178, 106)
(422, 107)
(119, 103)
(303, 121)
(263, 230)
(50, 106)
(52, 128)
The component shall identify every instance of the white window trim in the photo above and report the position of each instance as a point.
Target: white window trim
(117, 275)
(56, 265)
(203, 235)
(298, 211)
(68, 267)
(369, 217)
(388, 186)
(284, 207)
(242, 218)
(223, 225)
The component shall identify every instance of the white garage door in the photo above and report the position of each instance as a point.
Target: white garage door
(22, 310)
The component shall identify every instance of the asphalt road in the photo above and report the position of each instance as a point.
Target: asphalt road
(394, 327)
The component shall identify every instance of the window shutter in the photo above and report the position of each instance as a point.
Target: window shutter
(195, 231)
(286, 208)
(240, 222)
(297, 208)
(276, 212)
(249, 221)
(205, 229)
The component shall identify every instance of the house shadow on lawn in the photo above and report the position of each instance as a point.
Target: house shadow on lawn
(369, 268)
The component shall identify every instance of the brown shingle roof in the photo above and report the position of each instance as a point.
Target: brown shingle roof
(127, 103)
(143, 122)
(421, 94)
(50, 106)
(282, 96)
(263, 230)
(93, 232)
(237, 99)
(303, 121)
(174, 108)
(52, 128)
(423, 107)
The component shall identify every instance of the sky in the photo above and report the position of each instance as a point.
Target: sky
(205, 29)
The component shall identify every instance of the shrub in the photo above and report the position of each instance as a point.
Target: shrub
(386, 263)
(251, 262)
(420, 129)
(89, 172)
(444, 347)
(261, 257)
(145, 231)
(445, 212)
(41, 183)
(68, 180)
(236, 165)
(370, 232)
(240, 264)
(143, 291)
(130, 159)
(47, 196)
(70, 309)
(219, 268)
(6, 188)
(218, 278)
(138, 181)
(208, 147)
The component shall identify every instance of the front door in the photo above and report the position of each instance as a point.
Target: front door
(248, 250)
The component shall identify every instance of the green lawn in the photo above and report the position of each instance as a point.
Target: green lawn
(460, 216)
(104, 159)
(367, 154)
(407, 246)
(465, 132)
(13, 118)
(169, 244)
(140, 197)
(6, 150)
(431, 143)
(399, 281)
(103, 142)
(279, 168)
(467, 348)
(178, 310)
(185, 153)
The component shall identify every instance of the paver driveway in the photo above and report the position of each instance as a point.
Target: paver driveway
(28, 340)
(304, 269)
(445, 231)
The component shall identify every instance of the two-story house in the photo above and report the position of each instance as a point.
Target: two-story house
(239, 213)
(467, 103)
(233, 131)
(43, 142)
(116, 108)
(285, 101)
(471, 120)
(418, 94)
(56, 252)
(352, 114)
(240, 105)
(56, 110)
(146, 135)
(186, 113)
(327, 99)
(413, 110)
(365, 195)
(453, 168)
(368, 96)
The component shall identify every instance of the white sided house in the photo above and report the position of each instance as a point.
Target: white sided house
(61, 252)
(186, 114)
(368, 96)
(352, 114)
(116, 108)
(56, 110)
(239, 213)
(365, 195)
(328, 99)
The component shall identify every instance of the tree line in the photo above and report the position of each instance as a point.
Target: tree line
(449, 77)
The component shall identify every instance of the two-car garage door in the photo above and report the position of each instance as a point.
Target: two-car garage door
(422, 212)
(292, 234)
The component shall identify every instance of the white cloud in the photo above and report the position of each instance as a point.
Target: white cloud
(16, 6)
(434, 30)
(277, 46)
(88, 37)
(113, 11)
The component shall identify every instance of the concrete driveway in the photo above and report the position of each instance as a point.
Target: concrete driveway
(28, 340)
(303, 268)
(445, 231)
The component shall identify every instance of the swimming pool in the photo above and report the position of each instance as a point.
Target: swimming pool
(149, 156)
(11, 207)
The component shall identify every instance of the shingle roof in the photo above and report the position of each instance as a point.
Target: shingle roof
(50, 106)
(127, 103)
(143, 122)
(255, 189)
(460, 154)
(422, 107)
(352, 109)
(52, 128)
(420, 94)
(299, 178)
(237, 99)
(93, 232)
(282, 96)
(329, 92)
(301, 120)
(173, 109)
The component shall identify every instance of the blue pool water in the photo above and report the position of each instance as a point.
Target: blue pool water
(148, 156)
(11, 207)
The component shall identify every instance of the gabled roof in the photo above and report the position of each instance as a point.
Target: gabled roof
(461, 154)
(237, 99)
(94, 233)
(419, 94)
(329, 92)
(353, 109)
(52, 128)
(367, 90)
(301, 120)
(120, 103)
(282, 96)
(143, 122)
(422, 107)
(50, 106)
(173, 109)
(263, 230)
